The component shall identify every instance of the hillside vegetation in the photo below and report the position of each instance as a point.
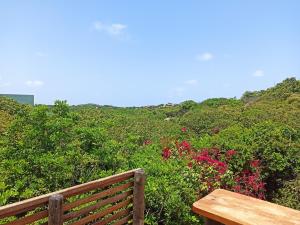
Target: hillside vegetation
(249, 145)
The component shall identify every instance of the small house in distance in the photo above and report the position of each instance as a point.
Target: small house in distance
(23, 99)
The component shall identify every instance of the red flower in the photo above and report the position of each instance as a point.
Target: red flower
(255, 163)
(237, 188)
(230, 153)
(185, 145)
(184, 129)
(147, 142)
(166, 153)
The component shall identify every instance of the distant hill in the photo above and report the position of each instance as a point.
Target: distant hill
(290, 87)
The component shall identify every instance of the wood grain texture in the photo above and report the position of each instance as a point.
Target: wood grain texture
(232, 208)
(98, 205)
(103, 213)
(125, 220)
(139, 197)
(118, 215)
(29, 204)
(97, 196)
(30, 219)
(55, 210)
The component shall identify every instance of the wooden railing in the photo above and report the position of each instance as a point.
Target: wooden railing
(117, 200)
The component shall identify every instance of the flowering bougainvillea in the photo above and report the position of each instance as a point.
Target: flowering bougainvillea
(184, 129)
(147, 142)
(166, 153)
(214, 171)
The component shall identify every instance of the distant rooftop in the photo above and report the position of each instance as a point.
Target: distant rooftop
(23, 99)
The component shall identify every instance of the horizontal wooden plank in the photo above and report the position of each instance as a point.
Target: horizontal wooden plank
(32, 203)
(125, 212)
(30, 219)
(236, 209)
(124, 220)
(103, 213)
(97, 196)
(97, 205)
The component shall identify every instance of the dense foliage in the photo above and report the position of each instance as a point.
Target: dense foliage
(249, 145)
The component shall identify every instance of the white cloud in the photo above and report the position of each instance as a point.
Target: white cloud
(40, 54)
(191, 82)
(206, 56)
(114, 29)
(34, 83)
(258, 73)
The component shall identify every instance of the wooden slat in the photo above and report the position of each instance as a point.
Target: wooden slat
(139, 197)
(32, 203)
(123, 221)
(103, 213)
(30, 219)
(97, 196)
(236, 209)
(97, 205)
(115, 216)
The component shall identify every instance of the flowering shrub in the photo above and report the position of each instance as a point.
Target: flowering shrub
(147, 142)
(214, 170)
(184, 129)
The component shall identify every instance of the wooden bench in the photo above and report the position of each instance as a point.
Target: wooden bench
(117, 200)
(226, 207)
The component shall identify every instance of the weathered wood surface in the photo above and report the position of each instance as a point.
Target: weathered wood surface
(110, 200)
(98, 205)
(231, 208)
(97, 196)
(138, 197)
(55, 210)
(27, 205)
(103, 213)
(30, 219)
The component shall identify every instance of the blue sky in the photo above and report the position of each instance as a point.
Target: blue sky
(134, 52)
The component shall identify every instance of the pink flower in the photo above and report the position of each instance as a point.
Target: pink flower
(166, 153)
(230, 153)
(147, 142)
(255, 163)
(237, 188)
(185, 145)
(184, 129)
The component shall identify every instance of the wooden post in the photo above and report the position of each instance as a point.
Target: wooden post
(211, 222)
(138, 197)
(55, 210)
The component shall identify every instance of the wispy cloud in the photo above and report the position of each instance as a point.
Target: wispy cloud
(258, 73)
(206, 56)
(34, 83)
(191, 82)
(114, 29)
